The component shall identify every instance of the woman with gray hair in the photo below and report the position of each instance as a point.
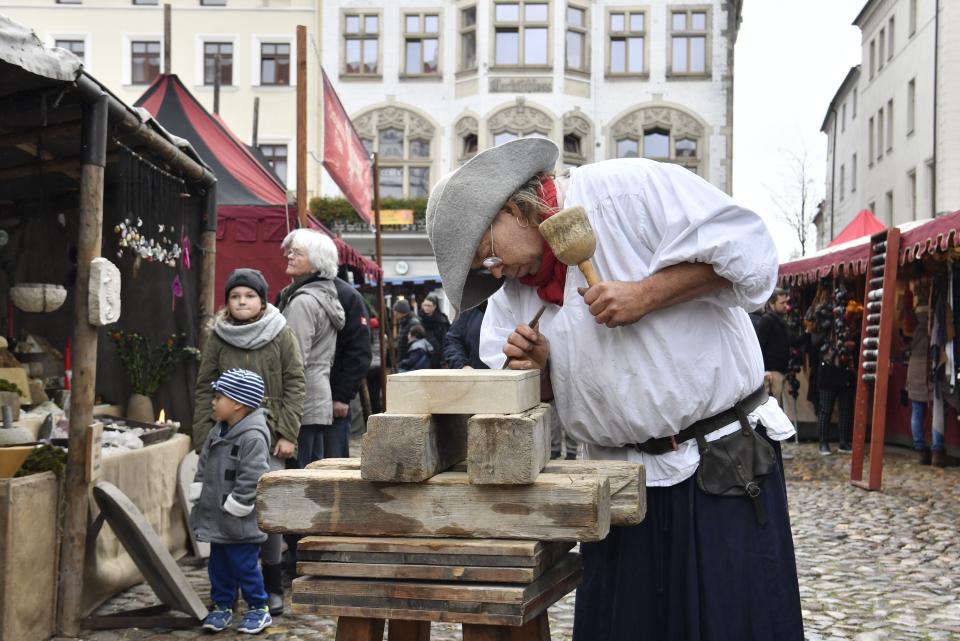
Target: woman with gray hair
(313, 310)
(656, 364)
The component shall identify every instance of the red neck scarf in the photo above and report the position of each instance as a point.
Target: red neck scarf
(552, 276)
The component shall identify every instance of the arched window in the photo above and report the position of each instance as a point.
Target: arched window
(467, 139)
(662, 133)
(519, 121)
(405, 142)
(577, 139)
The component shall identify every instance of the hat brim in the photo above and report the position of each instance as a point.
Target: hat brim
(463, 205)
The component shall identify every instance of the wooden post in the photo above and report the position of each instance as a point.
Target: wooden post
(216, 83)
(302, 125)
(256, 121)
(381, 309)
(208, 265)
(167, 38)
(72, 549)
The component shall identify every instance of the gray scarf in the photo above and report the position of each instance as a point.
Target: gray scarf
(250, 335)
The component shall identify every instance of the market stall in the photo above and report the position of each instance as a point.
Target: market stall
(105, 277)
(252, 208)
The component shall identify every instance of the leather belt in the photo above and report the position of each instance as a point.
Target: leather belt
(704, 426)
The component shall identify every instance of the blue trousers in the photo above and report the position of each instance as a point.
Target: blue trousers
(235, 565)
(342, 426)
(916, 426)
(698, 568)
(317, 442)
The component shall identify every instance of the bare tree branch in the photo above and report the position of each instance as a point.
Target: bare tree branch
(797, 196)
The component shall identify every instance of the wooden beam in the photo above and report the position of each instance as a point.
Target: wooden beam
(320, 501)
(477, 603)
(72, 550)
(302, 126)
(409, 448)
(628, 489)
(508, 449)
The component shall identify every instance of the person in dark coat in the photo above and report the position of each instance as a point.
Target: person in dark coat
(420, 354)
(461, 346)
(351, 360)
(775, 342)
(436, 324)
(405, 318)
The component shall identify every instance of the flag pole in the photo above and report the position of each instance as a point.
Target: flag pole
(380, 302)
(302, 126)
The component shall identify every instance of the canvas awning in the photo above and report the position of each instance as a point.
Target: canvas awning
(932, 235)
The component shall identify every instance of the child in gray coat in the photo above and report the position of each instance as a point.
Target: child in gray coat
(234, 457)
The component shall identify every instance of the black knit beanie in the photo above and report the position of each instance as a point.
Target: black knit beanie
(246, 277)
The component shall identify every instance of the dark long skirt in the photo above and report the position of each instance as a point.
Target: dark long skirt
(698, 568)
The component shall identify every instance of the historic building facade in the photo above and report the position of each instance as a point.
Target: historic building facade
(892, 127)
(430, 84)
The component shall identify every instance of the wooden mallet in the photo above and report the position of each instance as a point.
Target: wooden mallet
(570, 236)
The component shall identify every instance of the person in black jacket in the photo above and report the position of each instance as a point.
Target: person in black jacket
(405, 318)
(351, 359)
(461, 346)
(435, 325)
(775, 342)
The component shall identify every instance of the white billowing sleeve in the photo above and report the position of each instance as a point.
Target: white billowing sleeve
(498, 323)
(690, 220)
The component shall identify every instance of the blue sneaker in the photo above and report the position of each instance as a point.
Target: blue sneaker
(255, 620)
(218, 620)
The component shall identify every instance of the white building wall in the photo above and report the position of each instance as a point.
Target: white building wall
(108, 26)
(948, 116)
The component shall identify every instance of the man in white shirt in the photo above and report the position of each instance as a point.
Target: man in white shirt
(658, 363)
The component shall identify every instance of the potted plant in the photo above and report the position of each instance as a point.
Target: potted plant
(148, 367)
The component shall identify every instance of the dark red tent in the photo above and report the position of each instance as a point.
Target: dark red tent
(252, 211)
(863, 224)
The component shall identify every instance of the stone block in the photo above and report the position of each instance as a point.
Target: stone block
(469, 391)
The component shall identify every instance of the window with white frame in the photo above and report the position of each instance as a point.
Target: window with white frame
(912, 192)
(626, 52)
(913, 17)
(880, 134)
(881, 48)
(212, 52)
(213, 3)
(421, 50)
(75, 46)
(276, 156)
(521, 34)
(144, 61)
(664, 134)
(68, 1)
(853, 174)
(911, 105)
(468, 39)
(853, 105)
(890, 39)
(146, 2)
(468, 141)
(405, 144)
(890, 125)
(889, 199)
(361, 44)
(870, 143)
(843, 179)
(688, 41)
(873, 58)
(577, 139)
(275, 63)
(577, 45)
(843, 117)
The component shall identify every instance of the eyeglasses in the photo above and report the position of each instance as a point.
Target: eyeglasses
(492, 260)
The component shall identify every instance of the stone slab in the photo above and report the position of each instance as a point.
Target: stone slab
(456, 391)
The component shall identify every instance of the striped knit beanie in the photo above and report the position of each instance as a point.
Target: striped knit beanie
(241, 385)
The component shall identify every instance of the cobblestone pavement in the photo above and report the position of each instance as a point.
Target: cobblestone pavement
(873, 566)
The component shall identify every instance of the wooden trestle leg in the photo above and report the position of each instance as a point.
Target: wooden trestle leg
(399, 630)
(359, 629)
(537, 629)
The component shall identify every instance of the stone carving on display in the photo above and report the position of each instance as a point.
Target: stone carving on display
(104, 294)
(521, 119)
(680, 124)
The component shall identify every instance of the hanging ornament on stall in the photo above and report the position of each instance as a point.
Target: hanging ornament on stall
(176, 288)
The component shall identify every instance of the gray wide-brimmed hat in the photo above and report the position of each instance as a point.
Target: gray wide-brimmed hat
(464, 203)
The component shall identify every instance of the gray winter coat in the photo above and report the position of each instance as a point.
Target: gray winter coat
(225, 486)
(315, 315)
